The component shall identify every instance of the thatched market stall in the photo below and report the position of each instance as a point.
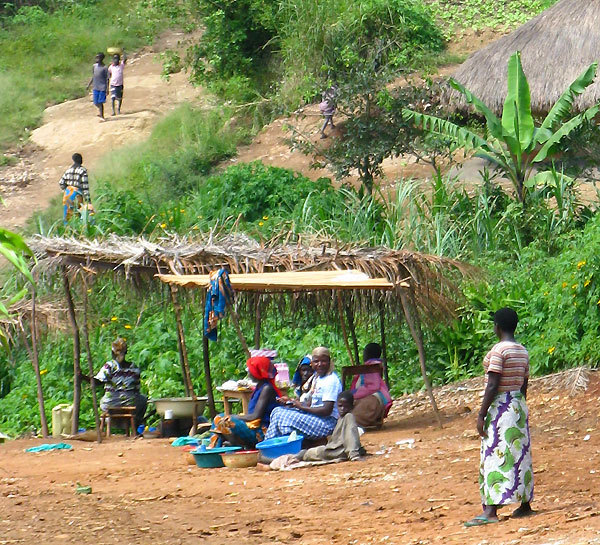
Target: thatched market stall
(415, 286)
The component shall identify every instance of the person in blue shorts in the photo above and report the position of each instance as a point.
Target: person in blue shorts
(99, 84)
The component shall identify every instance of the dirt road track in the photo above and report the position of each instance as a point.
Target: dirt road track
(73, 126)
(143, 491)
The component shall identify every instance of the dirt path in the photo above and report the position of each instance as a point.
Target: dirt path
(73, 126)
(145, 492)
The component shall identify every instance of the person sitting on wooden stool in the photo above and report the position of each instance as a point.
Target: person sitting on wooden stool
(372, 400)
(121, 382)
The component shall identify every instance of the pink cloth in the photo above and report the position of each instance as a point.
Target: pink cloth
(369, 384)
(115, 71)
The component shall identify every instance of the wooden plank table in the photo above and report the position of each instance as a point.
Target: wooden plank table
(243, 395)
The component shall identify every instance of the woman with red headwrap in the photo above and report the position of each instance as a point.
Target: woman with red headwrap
(246, 430)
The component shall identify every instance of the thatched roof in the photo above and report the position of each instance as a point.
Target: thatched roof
(556, 46)
(430, 278)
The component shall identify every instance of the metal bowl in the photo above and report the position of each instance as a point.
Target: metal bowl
(241, 458)
(182, 407)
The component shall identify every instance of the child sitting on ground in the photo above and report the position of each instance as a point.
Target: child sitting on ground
(344, 443)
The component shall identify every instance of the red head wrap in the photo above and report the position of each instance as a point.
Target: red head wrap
(262, 368)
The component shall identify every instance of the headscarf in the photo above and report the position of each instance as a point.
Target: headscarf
(297, 378)
(262, 368)
(324, 351)
(119, 345)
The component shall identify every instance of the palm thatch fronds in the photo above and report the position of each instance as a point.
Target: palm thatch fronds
(431, 279)
(556, 47)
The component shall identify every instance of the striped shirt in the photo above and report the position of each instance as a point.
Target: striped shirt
(511, 361)
(77, 177)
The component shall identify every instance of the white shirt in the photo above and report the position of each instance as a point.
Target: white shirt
(327, 388)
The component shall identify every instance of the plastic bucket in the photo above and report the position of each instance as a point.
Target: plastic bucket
(278, 446)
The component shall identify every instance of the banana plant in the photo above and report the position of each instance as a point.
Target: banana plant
(513, 143)
(14, 249)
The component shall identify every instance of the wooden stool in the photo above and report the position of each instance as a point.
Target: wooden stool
(243, 395)
(121, 414)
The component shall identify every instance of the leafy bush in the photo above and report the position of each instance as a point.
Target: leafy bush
(254, 190)
(236, 38)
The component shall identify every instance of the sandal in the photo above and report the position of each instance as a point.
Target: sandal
(520, 513)
(480, 520)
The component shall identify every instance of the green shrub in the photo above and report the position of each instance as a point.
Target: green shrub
(236, 38)
(255, 190)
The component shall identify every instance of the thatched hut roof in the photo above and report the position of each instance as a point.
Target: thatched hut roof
(556, 46)
(430, 278)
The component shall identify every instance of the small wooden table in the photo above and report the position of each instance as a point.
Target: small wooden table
(243, 395)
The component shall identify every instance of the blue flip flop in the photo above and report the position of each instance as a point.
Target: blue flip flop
(480, 520)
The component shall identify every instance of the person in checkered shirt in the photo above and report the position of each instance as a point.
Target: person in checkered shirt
(75, 184)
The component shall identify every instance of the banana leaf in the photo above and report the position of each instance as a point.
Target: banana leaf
(563, 105)
(493, 123)
(517, 120)
(564, 130)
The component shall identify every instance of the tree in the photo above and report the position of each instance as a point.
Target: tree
(513, 143)
(16, 251)
(371, 44)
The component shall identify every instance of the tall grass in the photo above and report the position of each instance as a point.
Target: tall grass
(327, 40)
(46, 57)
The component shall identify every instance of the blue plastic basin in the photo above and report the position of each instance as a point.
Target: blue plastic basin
(278, 446)
(211, 457)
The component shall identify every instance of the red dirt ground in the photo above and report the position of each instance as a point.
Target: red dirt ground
(144, 492)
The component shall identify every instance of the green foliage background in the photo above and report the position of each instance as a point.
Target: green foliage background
(541, 260)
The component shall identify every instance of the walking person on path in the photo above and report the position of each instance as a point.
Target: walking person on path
(115, 72)
(327, 108)
(76, 188)
(506, 470)
(99, 84)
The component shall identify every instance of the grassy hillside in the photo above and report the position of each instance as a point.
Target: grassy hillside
(46, 56)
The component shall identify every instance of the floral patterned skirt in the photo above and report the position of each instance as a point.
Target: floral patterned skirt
(506, 470)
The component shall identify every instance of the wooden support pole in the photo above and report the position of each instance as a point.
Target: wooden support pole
(36, 366)
(185, 364)
(257, 322)
(415, 331)
(76, 353)
(185, 372)
(384, 356)
(344, 332)
(350, 315)
(238, 330)
(86, 338)
(207, 377)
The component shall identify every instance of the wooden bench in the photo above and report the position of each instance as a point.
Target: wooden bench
(121, 415)
(353, 370)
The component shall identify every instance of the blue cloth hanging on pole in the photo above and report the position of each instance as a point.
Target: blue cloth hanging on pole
(219, 295)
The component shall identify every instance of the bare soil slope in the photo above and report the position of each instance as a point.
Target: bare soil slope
(73, 126)
(143, 491)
